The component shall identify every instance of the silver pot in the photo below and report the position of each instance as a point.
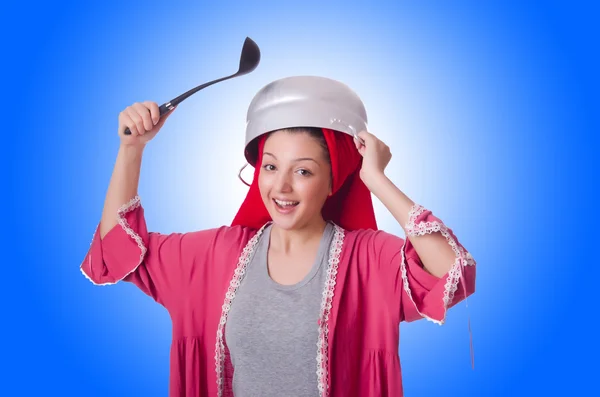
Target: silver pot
(303, 101)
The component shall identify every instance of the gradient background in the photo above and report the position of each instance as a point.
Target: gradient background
(491, 112)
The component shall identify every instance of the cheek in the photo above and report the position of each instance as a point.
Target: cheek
(262, 185)
(316, 190)
(265, 185)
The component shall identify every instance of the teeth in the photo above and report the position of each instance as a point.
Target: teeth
(286, 203)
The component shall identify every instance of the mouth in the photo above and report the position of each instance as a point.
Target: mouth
(285, 206)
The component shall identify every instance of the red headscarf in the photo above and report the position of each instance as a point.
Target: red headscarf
(350, 206)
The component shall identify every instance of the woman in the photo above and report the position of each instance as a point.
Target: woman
(301, 295)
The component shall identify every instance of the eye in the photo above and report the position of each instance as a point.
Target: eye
(269, 167)
(304, 172)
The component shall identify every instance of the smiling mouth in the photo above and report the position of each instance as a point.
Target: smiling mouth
(285, 204)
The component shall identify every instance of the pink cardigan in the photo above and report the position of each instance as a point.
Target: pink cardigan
(375, 280)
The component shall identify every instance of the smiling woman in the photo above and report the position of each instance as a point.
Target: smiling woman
(301, 295)
(296, 177)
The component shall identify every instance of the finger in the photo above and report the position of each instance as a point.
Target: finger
(359, 146)
(154, 111)
(144, 113)
(129, 123)
(366, 136)
(357, 143)
(137, 119)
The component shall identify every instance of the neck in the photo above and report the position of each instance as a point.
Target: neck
(294, 240)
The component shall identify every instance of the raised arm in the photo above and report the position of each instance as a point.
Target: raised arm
(122, 242)
(436, 270)
(144, 122)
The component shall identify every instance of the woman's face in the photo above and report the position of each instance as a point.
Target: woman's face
(294, 179)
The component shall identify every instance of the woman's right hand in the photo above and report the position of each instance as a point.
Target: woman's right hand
(143, 120)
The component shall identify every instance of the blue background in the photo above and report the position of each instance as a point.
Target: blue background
(491, 112)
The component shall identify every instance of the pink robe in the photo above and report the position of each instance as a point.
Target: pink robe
(375, 281)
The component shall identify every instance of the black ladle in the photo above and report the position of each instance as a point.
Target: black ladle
(249, 60)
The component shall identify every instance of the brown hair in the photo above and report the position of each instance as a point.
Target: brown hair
(315, 132)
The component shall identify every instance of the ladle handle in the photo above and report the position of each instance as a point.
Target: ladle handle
(164, 108)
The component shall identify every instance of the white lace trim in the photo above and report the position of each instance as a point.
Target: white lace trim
(234, 284)
(124, 209)
(463, 258)
(326, 304)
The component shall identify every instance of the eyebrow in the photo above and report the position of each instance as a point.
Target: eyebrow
(298, 159)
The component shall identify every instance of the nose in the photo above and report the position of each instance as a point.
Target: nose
(283, 182)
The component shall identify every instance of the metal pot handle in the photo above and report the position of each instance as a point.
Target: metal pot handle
(240, 175)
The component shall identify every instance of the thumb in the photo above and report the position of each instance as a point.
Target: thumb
(164, 118)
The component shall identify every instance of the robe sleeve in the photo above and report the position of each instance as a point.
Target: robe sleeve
(419, 293)
(161, 265)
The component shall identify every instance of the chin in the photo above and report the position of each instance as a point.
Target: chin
(286, 221)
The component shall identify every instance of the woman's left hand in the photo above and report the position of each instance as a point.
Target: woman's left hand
(376, 156)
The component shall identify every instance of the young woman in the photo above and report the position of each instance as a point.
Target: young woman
(301, 295)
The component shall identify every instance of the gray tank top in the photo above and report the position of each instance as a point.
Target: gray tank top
(272, 329)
